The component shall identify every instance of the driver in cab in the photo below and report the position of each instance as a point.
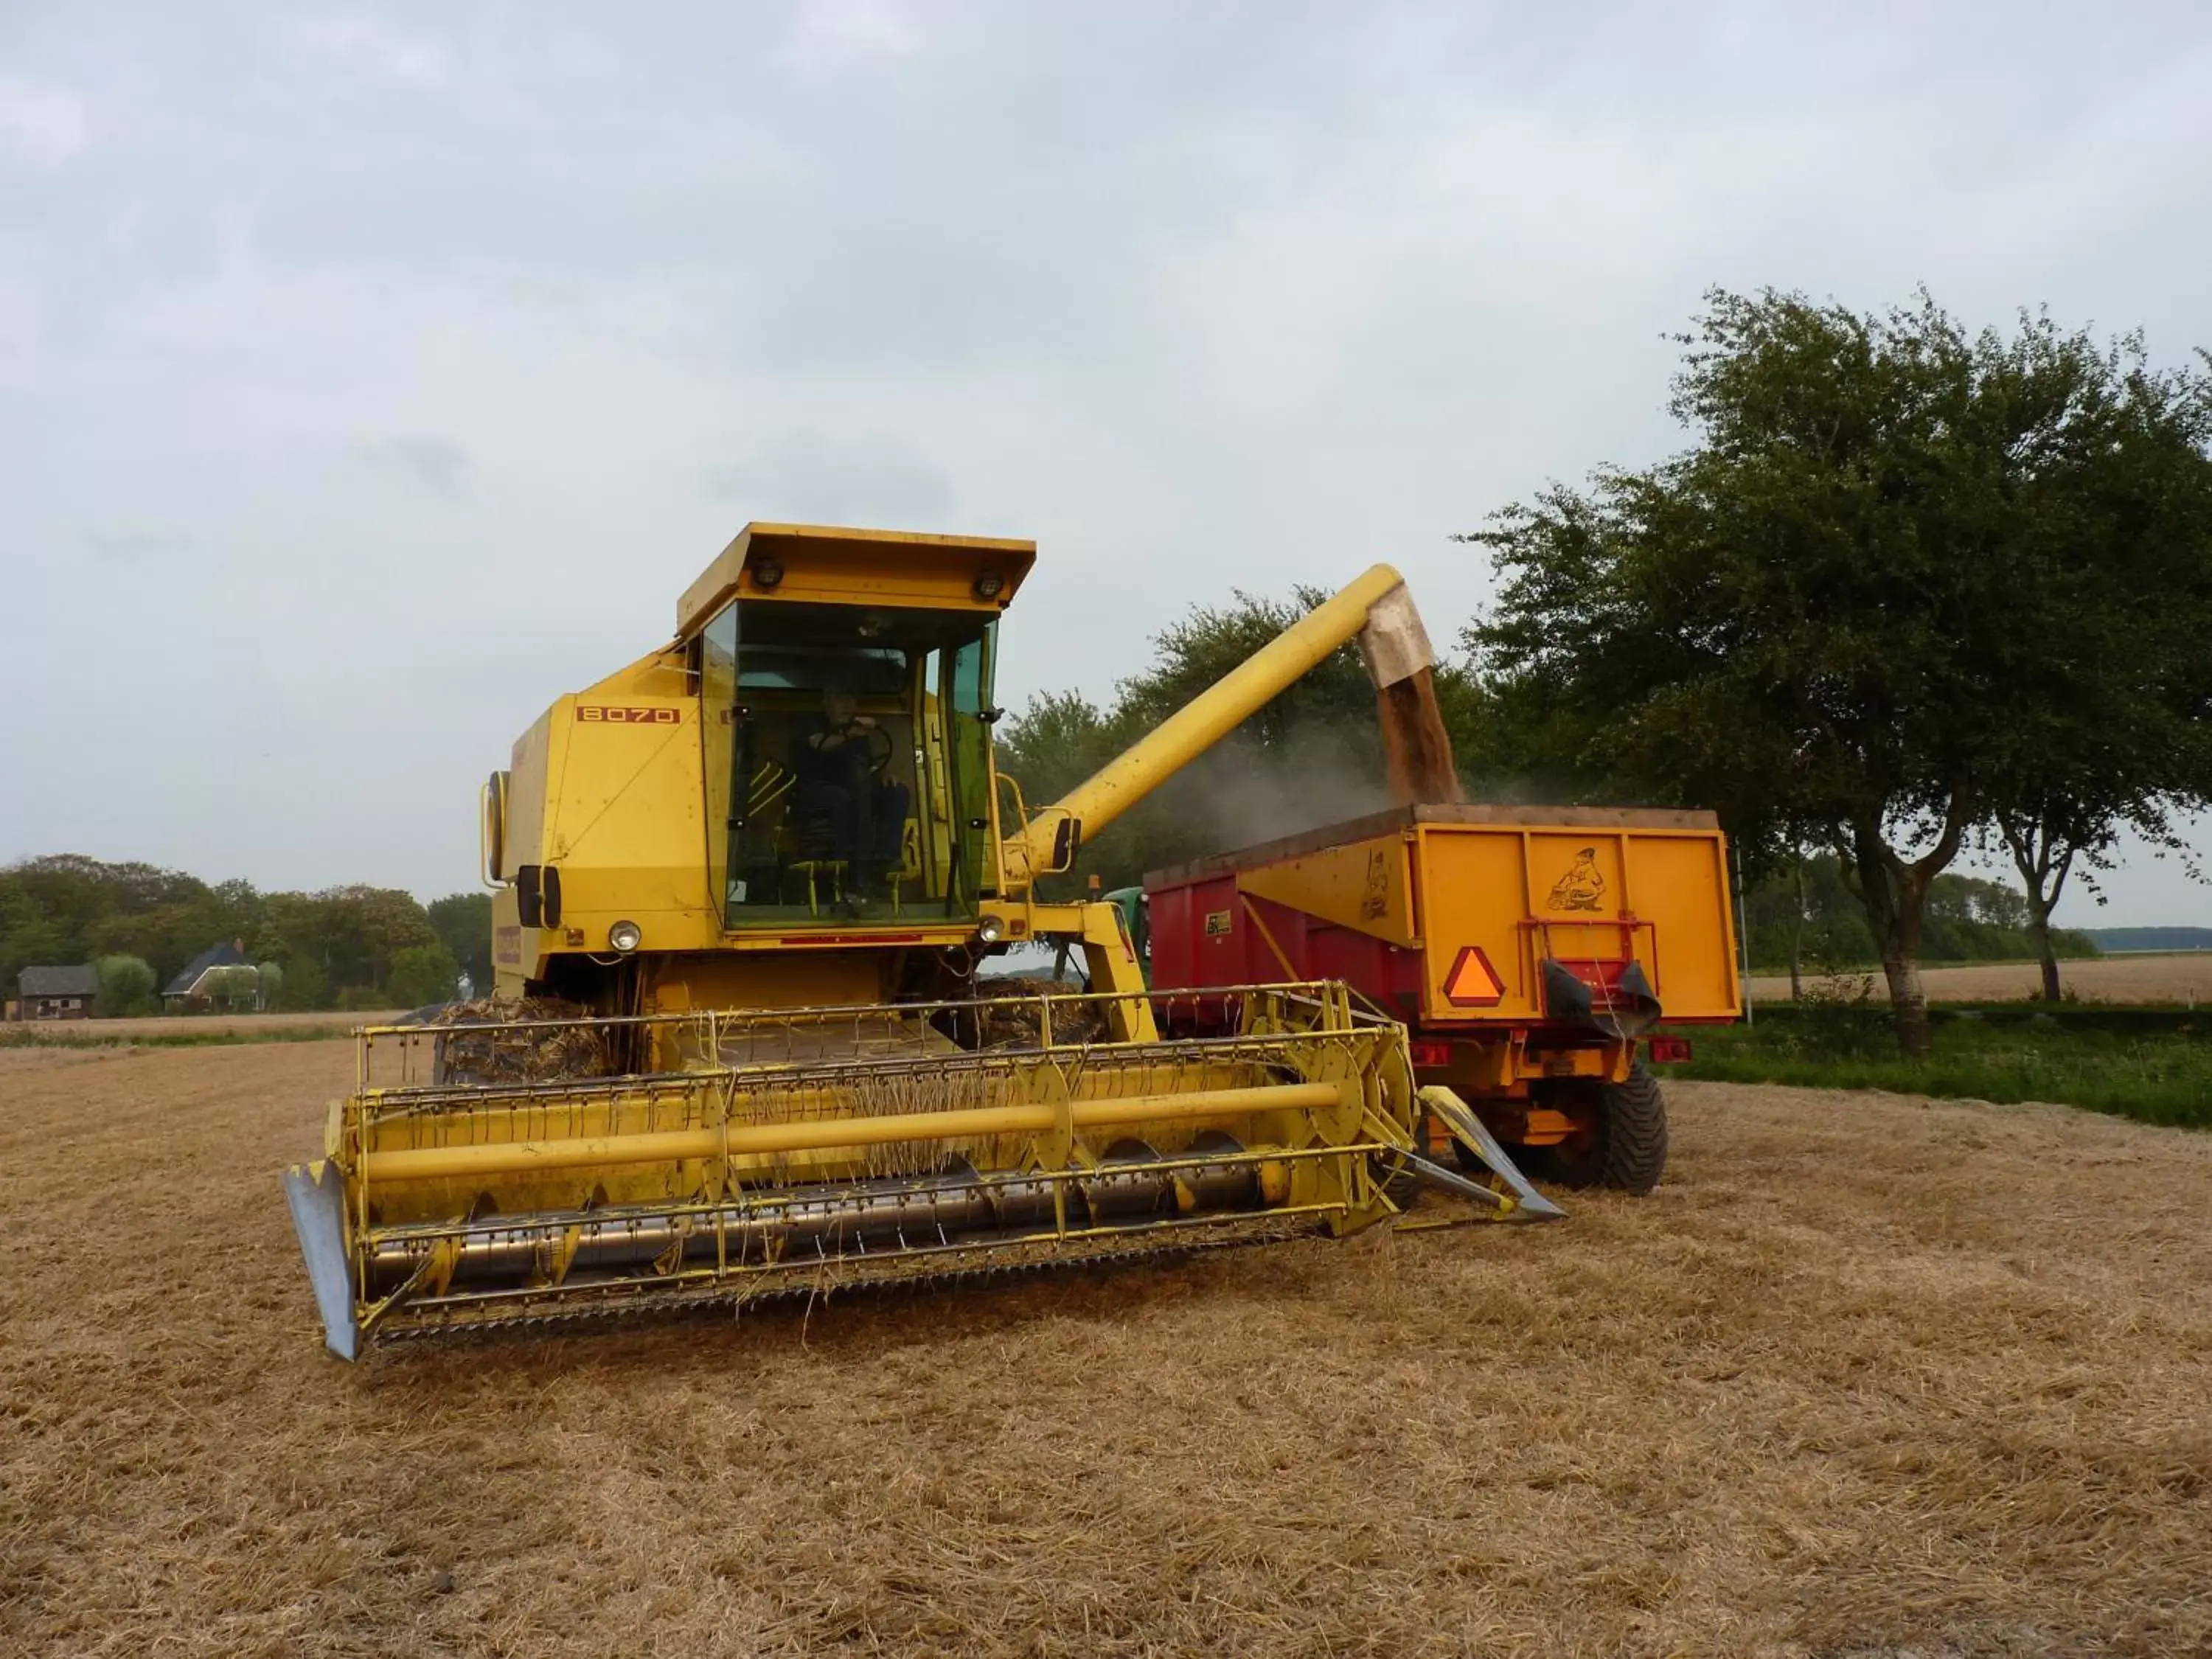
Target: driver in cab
(841, 760)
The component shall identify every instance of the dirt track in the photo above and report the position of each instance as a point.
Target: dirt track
(2179, 978)
(1866, 1374)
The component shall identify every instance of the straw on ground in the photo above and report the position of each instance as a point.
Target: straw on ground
(1866, 1374)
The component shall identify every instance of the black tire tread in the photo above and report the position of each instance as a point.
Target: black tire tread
(1628, 1153)
(1634, 1132)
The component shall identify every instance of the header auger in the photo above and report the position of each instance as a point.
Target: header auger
(742, 890)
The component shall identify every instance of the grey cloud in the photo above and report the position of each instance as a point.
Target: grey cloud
(379, 48)
(440, 465)
(43, 123)
(127, 546)
(806, 477)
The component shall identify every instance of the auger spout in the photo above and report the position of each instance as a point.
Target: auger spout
(1375, 610)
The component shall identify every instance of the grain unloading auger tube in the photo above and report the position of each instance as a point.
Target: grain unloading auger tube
(808, 1151)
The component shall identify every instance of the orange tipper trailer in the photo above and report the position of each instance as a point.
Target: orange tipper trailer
(1529, 949)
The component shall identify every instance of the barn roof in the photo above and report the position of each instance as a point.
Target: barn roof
(59, 981)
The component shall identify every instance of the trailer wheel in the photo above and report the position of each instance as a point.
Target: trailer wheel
(1397, 1180)
(1627, 1148)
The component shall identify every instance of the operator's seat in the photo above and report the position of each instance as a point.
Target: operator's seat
(810, 838)
(908, 867)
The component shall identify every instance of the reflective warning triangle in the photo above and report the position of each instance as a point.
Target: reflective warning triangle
(1472, 982)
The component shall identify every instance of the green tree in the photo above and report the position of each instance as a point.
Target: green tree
(462, 922)
(421, 974)
(1897, 561)
(28, 936)
(2067, 818)
(351, 934)
(271, 978)
(306, 988)
(235, 989)
(2121, 490)
(1803, 915)
(68, 907)
(126, 986)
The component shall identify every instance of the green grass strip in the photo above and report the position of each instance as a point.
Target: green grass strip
(2162, 1078)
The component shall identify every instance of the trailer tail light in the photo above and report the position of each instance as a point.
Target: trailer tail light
(1667, 1050)
(1472, 982)
(1432, 1056)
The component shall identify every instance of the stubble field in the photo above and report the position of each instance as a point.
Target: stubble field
(209, 1027)
(1865, 1375)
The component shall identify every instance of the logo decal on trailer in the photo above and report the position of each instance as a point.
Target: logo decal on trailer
(605, 713)
(1581, 887)
(1375, 902)
(1217, 923)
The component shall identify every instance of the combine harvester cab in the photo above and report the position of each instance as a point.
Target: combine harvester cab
(743, 887)
(1528, 950)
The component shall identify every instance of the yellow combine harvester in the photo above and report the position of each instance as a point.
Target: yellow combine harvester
(744, 886)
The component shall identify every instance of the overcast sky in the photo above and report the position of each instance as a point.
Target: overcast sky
(370, 377)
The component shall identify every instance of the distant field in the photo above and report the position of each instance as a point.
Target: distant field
(2150, 939)
(2183, 977)
(208, 1026)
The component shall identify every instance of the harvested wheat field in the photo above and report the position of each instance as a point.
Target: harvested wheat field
(210, 1026)
(2183, 977)
(1867, 1375)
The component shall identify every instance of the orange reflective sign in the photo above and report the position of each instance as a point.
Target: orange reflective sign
(1472, 982)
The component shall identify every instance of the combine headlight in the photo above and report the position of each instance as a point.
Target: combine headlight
(990, 585)
(990, 930)
(767, 572)
(625, 936)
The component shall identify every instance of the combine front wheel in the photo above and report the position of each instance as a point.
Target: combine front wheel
(1625, 1146)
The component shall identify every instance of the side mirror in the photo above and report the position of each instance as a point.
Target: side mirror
(491, 829)
(537, 895)
(1066, 838)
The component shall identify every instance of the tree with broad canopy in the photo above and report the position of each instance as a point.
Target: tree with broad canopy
(1906, 584)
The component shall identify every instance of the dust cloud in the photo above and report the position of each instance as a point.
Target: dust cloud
(1243, 793)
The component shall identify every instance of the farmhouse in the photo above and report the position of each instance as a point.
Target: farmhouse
(191, 989)
(56, 993)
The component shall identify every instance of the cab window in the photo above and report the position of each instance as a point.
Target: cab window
(848, 763)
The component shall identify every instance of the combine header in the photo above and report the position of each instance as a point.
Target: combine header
(742, 888)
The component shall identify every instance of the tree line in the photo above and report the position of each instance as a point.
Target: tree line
(1806, 921)
(1908, 591)
(344, 947)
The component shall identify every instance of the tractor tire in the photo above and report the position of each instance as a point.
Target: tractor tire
(1627, 1152)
